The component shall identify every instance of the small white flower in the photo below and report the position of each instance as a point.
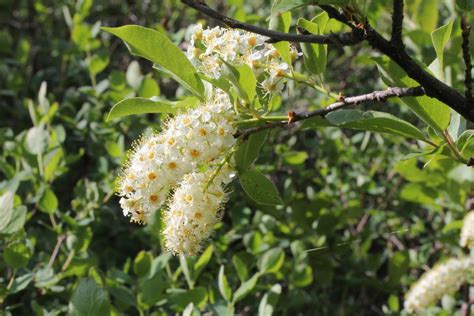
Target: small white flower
(194, 209)
(190, 139)
(467, 232)
(238, 47)
(444, 278)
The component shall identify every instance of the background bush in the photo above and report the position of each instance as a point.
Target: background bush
(359, 224)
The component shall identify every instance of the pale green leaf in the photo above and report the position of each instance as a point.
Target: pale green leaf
(203, 261)
(134, 106)
(435, 113)
(89, 299)
(374, 121)
(48, 202)
(268, 303)
(6, 209)
(223, 284)
(259, 188)
(157, 47)
(246, 288)
(271, 261)
(249, 150)
(440, 38)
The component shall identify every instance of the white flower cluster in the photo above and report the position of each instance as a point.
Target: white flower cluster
(467, 232)
(444, 278)
(190, 140)
(209, 49)
(194, 210)
(196, 140)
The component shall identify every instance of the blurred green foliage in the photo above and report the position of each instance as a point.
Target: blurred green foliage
(358, 224)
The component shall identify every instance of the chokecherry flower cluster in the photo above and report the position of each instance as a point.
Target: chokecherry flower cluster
(193, 139)
(183, 168)
(444, 278)
(467, 232)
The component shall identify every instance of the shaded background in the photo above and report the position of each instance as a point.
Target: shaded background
(359, 225)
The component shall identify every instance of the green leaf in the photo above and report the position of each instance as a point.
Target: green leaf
(302, 275)
(224, 287)
(249, 150)
(21, 282)
(149, 88)
(142, 263)
(245, 288)
(397, 266)
(259, 188)
(280, 6)
(17, 220)
(122, 295)
(295, 157)
(203, 261)
(440, 38)
(393, 303)
(457, 125)
(52, 160)
(185, 264)
(243, 79)
(97, 63)
(158, 48)
(240, 267)
(182, 298)
(6, 209)
(465, 143)
(89, 299)
(374, 121)
(314, 55)
(135, 106)
(427, 16)
(269, 300)
(37, 140)
(281, 23)
(465, 5)
(134, 75)
(271, 261)
(435, 113)
(16, 255)
(48, 202)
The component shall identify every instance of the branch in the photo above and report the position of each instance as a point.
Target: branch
(360, 30)
(397, 23)
(466, 53)
(344, 39)
(433, 87)
(380, 96)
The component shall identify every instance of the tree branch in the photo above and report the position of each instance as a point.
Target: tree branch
(343, 39)
(360, 30)
(466, 53)
(397, 23)
(380, 96)
(433, 87)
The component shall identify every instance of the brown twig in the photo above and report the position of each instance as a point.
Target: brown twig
(466, 53)
(433, 87)
(59, 241)
(343, 39)
(342, 103)
(397, 22)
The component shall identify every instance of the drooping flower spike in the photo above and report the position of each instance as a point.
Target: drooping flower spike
(160, 160)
